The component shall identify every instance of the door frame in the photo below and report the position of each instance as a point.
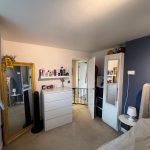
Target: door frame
(86, 60)
(91, 90)
(77, 60)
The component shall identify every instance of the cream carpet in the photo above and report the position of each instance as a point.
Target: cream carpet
(82, 134)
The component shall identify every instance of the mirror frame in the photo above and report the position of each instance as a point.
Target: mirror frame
(6, 138)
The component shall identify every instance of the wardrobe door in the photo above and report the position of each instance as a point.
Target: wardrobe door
(112, 97)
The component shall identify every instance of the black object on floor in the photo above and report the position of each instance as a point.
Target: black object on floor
(28, 119)
(38, 124)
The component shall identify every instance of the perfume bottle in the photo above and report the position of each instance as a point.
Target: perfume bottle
(43, 74)
(61, 71)
(55, 72)
(64, 72)
(67, 72)
(40, 72)
(48, 73)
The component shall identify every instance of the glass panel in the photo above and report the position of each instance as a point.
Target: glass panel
(112, 79)
(26, 76)
(19, 99)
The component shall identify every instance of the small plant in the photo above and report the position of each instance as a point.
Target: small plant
(62, 80)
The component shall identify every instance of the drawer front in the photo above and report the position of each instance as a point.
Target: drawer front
(99, 102)
(58, 112)
(99, 92)
(57, 104)
(49, 97)
(99, 112)
(56, 122)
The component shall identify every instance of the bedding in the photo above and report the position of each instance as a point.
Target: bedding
(137, 138)
(145, 101)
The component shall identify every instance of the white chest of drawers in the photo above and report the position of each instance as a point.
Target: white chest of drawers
(57, 107)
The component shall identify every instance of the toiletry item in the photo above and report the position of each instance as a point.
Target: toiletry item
(55, 73)
(48, 73)
(51, 86)
(40, 72)
(44, 87)
(67, 72)
(43, 74)
(61, 71)
(52, 72)
(64, 72)
(48, 87)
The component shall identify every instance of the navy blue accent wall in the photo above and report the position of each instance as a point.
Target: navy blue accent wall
(137, 57)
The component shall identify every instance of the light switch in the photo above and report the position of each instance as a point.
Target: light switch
(131, 72)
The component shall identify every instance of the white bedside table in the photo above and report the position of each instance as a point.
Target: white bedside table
(15, 95)
(124, 119)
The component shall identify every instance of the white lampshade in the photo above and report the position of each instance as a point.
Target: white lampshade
(132, 111)
(13, 90)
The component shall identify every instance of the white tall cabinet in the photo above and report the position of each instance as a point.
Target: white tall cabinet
(57, 107)
(113, 86)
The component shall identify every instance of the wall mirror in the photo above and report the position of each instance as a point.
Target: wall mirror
(112, 80)
(17, 88)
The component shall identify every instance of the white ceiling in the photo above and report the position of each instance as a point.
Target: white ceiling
(87, 25)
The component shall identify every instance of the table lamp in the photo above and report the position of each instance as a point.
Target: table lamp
(132, 113)
(14, 91)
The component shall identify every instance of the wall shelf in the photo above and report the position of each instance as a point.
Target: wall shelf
(109, 84)
(111, 75)
(42, 78)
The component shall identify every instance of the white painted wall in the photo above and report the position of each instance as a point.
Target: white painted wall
(99, 60)
(44, 57)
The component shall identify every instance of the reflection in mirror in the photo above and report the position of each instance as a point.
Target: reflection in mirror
(112, 79)
(19, 98)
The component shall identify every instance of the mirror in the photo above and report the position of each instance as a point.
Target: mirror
(112, 80)
(17, 86)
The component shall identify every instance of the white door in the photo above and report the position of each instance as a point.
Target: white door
(112, 96)
(82, 82)
(91, 86)
(82, 66)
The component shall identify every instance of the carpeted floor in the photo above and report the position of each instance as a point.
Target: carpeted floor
(16, 118)
(82, 134)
